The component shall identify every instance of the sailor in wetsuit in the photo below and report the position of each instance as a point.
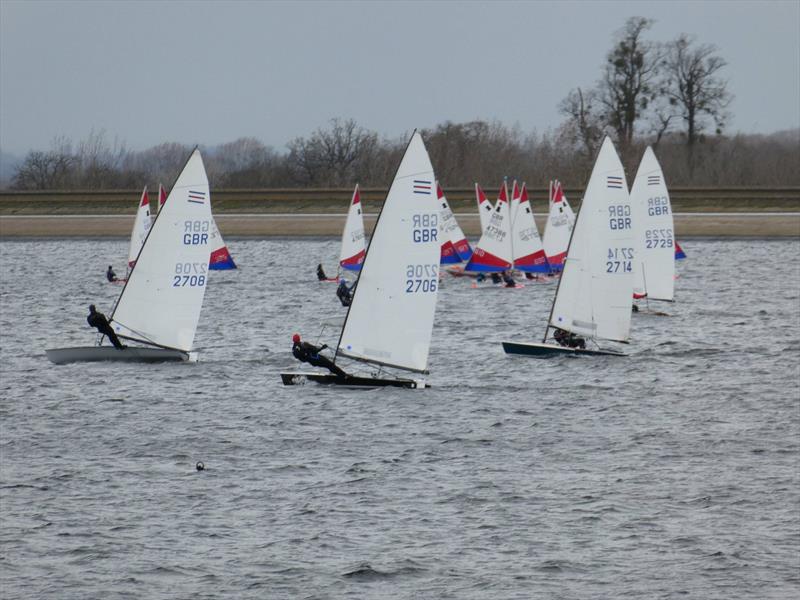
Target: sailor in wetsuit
(305, 352)
(98, 320)
(110, 275)
(569, 339)
(344, 293)
(509, 280)
(321, 273)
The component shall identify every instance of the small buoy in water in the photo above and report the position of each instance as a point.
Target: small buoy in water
(200, 466)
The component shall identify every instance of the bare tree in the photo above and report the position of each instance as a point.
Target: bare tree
(627, 85)
(693, 86)
(584, 125)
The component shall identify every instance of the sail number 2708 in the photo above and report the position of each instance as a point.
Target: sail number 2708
(421, 278)
(189, 274)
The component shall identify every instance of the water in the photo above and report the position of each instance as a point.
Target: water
(671, 473)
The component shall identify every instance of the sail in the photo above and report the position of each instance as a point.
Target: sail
(654, 263)
(455, 247)
(485, 207)
(594, 295)
(679, 253)
(513, 206)
(162, 196)
(391, 317)
(526, 243)
(493, 252)
(558, 228)
(221, 259)
(351, 256)
(141, 226)
(161, 301)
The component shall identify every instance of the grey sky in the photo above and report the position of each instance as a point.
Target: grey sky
(209, 72)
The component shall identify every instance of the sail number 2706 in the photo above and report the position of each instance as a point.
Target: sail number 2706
(421, 278)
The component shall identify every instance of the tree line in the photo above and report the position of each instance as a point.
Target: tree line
(671, 95)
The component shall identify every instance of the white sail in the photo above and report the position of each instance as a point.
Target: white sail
(141, 226)
(485, 207)
(595, 292)
(353, 246)
(558, 228)
(513, 206)
(451, 235)
(161, 301)
(654, 263)
(391, 316)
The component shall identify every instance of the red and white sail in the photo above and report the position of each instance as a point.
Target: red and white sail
(558, 228)
(513, 206)
(351, 256)
(485, 207)
(526, 244)
(141, 226)
(494, 252)
(455, 247)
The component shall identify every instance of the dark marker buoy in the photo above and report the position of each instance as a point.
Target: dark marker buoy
(200, 466)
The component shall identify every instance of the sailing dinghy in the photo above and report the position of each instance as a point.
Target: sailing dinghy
(159, 307)
(494, 253)
(558, 229)
(654, 263)
(526, 244)
(594, 294)
(141, 226)
(390, 319)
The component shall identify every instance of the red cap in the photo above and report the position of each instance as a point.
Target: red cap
(296, 337)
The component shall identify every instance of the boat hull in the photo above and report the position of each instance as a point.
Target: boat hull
(350, 381)
(62, 356)
(549, 350)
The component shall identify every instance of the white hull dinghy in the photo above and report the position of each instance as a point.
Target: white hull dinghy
(159, 307)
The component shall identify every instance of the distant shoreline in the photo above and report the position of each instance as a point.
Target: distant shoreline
(756, 225)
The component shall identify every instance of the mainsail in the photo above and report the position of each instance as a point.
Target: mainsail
(527, 246)
(485, 207)
(558, 228)
(141, 226)
(353, 249)
(493, 252)
(455, 247)
(391, 317)
(654, 263)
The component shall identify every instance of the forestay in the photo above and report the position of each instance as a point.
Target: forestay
(493, 252)
(526, 243)
(161, 301)
(391, 317)
(353, 246)
(594, 296)
(141, 226)
(654, 264)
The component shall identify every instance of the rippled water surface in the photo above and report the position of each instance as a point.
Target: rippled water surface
(671, 473)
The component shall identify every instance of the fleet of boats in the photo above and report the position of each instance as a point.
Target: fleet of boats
(619, 248)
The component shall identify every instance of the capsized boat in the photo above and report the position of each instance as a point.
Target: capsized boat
(390, 320)
(558, 229)
(654, 252)
(594, 294)
(159, 307)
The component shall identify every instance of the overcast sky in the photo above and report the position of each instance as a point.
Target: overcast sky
(210, 72)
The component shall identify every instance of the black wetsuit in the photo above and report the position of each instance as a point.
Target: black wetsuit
(496, 278)
(509, 281)
(110, 275)
(344, 294)
(321, 273)
(305, 352)
(568, 339)
(98, 320)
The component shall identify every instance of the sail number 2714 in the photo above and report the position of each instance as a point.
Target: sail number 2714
(421, 278)
(620, 260)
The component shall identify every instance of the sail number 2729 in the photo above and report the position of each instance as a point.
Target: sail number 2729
(421, 278)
